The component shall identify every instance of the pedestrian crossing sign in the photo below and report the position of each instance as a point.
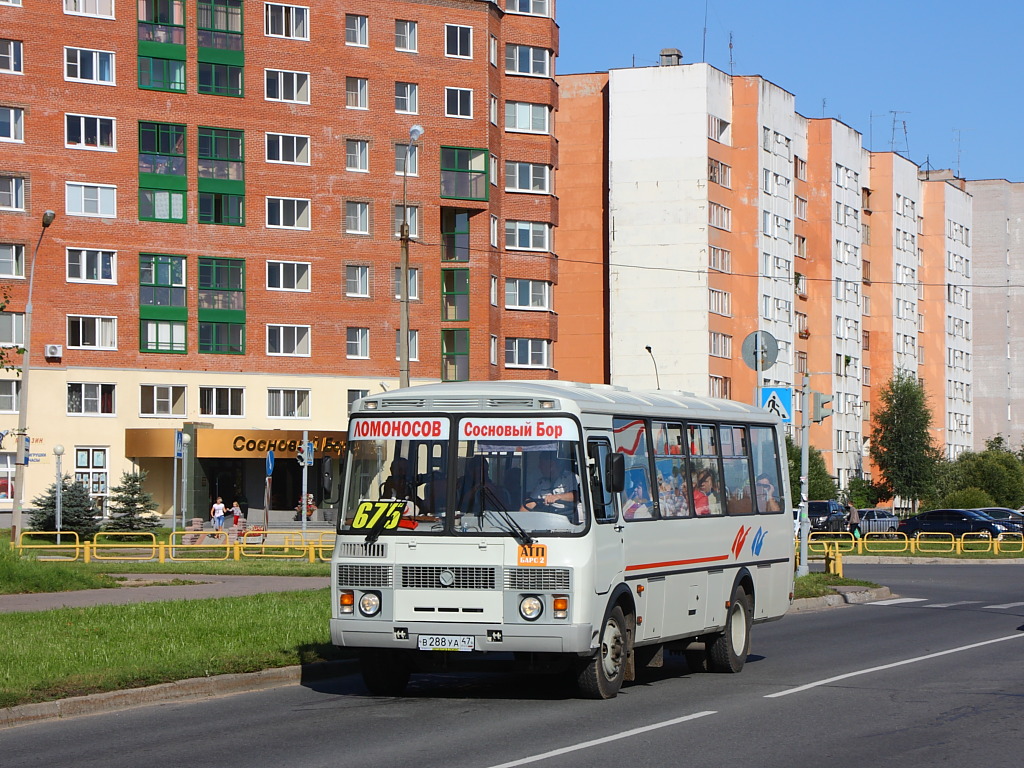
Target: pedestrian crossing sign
(778, 400)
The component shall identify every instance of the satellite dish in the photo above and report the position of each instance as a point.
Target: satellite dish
(760, 344)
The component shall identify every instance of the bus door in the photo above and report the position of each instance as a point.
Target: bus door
(609, 557)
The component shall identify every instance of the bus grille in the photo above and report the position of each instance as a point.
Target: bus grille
(437, 576)
(361, 549)
(537, 579)
(364, 575)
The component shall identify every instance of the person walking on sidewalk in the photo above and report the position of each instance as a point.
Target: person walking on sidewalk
(853, 520)
(217, 514)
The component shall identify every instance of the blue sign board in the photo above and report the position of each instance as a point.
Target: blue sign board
(778, 400)
(270, 463)
(178, 450)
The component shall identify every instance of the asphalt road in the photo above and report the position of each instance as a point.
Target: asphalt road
(934, 676)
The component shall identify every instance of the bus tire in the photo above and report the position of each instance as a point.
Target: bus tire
(385, 672)
(604, 672)
(728, 651)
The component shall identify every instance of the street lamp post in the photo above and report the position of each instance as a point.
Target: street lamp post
(26, 365)
(186, 438)
(58, 452)
(403, 324)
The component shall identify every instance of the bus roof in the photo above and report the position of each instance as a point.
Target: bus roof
(526, 395)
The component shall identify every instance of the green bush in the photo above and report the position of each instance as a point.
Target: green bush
(967, 498)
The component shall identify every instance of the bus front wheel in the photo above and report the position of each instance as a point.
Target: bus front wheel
(604, 672)
(385, 672)
(728, 651)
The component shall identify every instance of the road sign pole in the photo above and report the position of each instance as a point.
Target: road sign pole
(305, 481)
(805, 436)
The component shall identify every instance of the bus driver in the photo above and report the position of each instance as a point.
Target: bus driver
(556, 489)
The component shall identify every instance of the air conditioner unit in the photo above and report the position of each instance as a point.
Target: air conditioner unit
(53, 350)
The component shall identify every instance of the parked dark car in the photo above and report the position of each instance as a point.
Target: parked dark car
(826, 515)
(878, 520)
(954, 521)
(1005, 515)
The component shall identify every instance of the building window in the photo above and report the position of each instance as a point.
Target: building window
(525, 117)
(718, 129)
(464, 173)
(10, 396)
(527, 294)
(720, 386)
(454, 234)
(801, 208)
(222, 401)
(357, 155)
(85, 132)
(161, 74)
(84, 65)
(357, 218)
(458, 41)
(90, 266)
(12, 124)
(162, 336)
(527, 60)
(101, 8)
(414, 282)
(527, 177)
(720, 259)
(287, 213)
(161, 281)
(405, 36)
(357, 93)
(219, 24)
(357, 343)
(12, 195)
(455, 355)
(12, 260)
(222, 338)
(527, 235)
(494, 290)
(493, 352)
(720, 345)
(12, 329)
(528, 7)
(355, 394)
(161, 172)
(494, 231)
(287, 148)
(288, 276)
(92, 332)
(414, 345)
(407, 98)
(527, 353)
(410, 151)
(454, 294)
(221, 304)
(286, 21)
(162, 400)
(458, 102)
(356, 30)
(720, 302)
(87, 199)
(91, 471)
(493, 51)
(410, 213)
(288, 340)
(221, 208)
(10, 56)
(719, 173)
(221, 79)
(357, 280)
(282, 85)
(719, 216)
(221, 176)
(288, 403)
(162, 21)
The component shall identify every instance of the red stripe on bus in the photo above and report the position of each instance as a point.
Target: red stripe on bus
(677, 562)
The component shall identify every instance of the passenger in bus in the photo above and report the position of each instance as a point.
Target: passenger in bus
(638, 498)
(401, 484)
(555, 490)
(767, 497)
(712, 496)
(476, 490)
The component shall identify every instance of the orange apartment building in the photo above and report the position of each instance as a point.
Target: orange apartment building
(229, 180)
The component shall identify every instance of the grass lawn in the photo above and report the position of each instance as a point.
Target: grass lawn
(817, 584)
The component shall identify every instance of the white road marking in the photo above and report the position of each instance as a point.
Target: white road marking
(950, 605)
(913, 660)
(603, 740)
(898, 600)
(1006, 605)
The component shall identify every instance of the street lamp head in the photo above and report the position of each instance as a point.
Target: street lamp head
(58, 450)
(48, 217)
(186, 438)
(415, 132)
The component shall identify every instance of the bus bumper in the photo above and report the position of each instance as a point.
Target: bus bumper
(497, 638)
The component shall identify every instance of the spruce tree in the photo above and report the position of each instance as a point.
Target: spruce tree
(131, 507)
(77, 511)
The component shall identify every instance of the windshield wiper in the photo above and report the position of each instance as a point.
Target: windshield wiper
(376, 530)
(518, 532)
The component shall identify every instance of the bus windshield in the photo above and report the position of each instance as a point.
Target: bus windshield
(505, 476)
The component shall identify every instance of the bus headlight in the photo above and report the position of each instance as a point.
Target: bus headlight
(531, 607)
(369, 604)
(346, 601)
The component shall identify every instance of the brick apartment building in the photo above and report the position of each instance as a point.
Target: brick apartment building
(228, 179)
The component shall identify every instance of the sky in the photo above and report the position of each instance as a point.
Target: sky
(932, 80)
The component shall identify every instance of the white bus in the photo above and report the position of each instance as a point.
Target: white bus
(562, 526)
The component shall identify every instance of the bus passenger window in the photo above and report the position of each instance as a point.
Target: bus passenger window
(736, 467)
(707, 487)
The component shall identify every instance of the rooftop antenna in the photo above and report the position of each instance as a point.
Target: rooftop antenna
(956, 133)
(895, 120)
(824, 102)
(704, 42)
(730, 54)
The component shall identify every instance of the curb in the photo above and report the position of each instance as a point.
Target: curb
(843, 596)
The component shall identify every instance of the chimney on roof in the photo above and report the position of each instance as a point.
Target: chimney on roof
(671, 57)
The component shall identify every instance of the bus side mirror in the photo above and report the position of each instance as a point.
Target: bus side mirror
(327, 474)
(615, 472)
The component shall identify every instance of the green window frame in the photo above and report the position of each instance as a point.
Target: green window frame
(221, 154)
(162, 21)
(464, 173)
(221, 302)
(165, 205)
(166, 336)
(221, 79)
(163, 314)
(162, 181)
(220, 24)
(455, 355)
(454, 294)
(156, 74)
(221, 208)
(454, 234)
(222, 338)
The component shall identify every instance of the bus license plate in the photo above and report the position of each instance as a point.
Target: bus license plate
(445, 642)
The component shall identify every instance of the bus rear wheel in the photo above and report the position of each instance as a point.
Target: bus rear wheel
(604, 672)
(728, 651)
(385, 672)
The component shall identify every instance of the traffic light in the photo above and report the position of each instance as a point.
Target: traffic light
(300, 454)
(821, 408)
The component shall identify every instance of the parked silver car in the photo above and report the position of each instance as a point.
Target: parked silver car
(878, 520)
